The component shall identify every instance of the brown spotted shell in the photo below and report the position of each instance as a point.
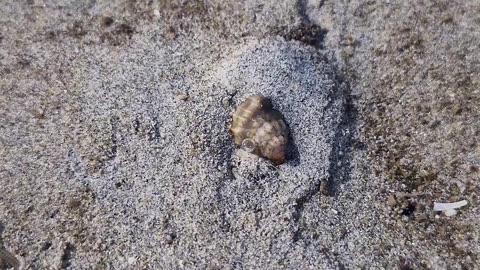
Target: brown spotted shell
(260, 129)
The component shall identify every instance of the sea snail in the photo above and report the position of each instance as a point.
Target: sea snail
(260, 129)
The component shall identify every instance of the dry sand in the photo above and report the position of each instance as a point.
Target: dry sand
(115, 151)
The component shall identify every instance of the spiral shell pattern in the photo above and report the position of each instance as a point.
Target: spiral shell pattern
(260, 129)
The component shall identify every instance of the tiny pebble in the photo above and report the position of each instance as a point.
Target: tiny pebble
(182, 97)
(422, 218)
(169, 238)
(40, 114)
(231, 91)
(391, 201)
(450, 212)
(156, 13)
(226, 102)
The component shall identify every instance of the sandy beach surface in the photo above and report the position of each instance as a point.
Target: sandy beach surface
(115, 151)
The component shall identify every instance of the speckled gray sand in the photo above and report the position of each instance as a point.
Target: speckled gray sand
(103, 165)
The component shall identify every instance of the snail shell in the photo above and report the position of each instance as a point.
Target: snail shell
(260, 129)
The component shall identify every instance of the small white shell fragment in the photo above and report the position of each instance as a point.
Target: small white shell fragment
(447, 206)
(450, 212)
(182, 97)
(132, 260)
